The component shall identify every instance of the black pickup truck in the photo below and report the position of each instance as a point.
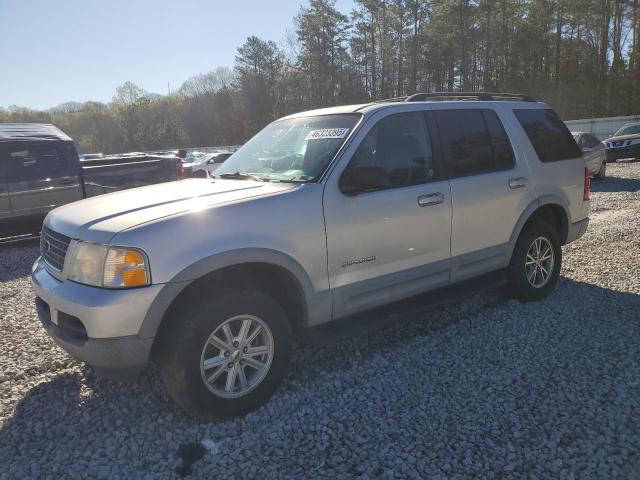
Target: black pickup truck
(40, 170)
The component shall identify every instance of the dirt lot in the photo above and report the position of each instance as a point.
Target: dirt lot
(490, 388)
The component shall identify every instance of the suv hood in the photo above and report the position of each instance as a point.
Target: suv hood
(98, 219)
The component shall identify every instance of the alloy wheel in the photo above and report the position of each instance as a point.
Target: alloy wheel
(237, 356)
(539, 262)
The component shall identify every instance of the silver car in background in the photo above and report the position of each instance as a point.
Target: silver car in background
(594, 152)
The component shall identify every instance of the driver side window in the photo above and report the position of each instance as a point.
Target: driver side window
(400, 145)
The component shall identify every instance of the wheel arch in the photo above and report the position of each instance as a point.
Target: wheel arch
(268, 270)
(552, 209)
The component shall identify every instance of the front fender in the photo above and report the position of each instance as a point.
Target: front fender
(318, 305)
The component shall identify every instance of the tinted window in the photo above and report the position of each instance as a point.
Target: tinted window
(400, 144)
(33, 162)
(548, 134)
(474, 140)
(502, 151)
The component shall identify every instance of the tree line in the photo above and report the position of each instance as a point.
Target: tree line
(580, 56)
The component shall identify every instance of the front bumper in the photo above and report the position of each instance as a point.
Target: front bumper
(97, 326)
(631, 151)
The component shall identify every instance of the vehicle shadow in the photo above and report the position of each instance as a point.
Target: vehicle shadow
(616, 184)
(134, 424)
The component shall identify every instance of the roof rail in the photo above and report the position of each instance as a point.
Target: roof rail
(439, 96)
(394, 99)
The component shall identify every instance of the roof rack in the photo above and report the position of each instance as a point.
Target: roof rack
(394, 99)
(439, 96)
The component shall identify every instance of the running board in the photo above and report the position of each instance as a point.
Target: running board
(378, 318)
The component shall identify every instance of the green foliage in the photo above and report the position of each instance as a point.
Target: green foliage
(580, 56)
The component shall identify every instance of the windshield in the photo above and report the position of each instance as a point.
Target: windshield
(628, 130)
(292, 150)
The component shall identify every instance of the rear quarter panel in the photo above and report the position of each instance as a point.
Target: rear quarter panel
(560, 182)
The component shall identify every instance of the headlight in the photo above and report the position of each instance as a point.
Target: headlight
(106, 266)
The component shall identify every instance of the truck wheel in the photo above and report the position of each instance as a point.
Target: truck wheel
(535, 264)
(225, 356)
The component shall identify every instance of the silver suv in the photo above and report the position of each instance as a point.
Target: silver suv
(321, 215)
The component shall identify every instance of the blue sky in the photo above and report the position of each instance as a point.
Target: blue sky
(53, 51)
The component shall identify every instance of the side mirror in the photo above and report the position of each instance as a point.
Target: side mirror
(363, 178)
(210, 161)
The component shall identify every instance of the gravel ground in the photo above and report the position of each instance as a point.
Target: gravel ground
(489, 388)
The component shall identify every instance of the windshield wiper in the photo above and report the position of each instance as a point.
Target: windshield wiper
(241, 176)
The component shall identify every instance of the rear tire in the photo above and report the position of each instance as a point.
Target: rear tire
(535, 264)
(206, 340)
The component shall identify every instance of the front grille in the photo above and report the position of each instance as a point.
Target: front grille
(53, 247)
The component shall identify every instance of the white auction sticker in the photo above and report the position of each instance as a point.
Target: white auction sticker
(327, 133)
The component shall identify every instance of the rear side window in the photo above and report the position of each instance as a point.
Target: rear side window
(548, 135)
(474, 141)
(33, 162)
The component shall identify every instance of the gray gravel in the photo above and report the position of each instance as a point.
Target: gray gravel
(489, 388)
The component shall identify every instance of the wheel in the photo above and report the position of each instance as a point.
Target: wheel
(602, 173)
(535, 263)
(225, 356)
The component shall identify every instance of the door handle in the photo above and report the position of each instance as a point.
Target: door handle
(430, 199)
(517, 182)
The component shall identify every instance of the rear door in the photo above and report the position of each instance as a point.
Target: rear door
(490, 187)
(41, 176)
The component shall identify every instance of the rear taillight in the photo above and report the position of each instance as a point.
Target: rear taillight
(180, 170)
(587, 185)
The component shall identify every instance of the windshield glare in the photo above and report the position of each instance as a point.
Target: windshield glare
(628, 130)
(292, 150)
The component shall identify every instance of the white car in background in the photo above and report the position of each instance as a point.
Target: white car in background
(594, 152)
(206, 164)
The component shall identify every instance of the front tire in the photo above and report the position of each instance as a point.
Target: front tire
(225, 356)
(535, 264)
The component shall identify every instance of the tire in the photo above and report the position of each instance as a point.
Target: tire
(602, 172)
(188, 342)
(519, 273)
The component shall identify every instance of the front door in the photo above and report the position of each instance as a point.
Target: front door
(391, 242)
